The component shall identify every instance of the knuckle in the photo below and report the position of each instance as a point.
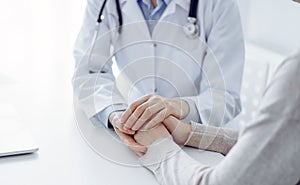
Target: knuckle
(166, 103)
(159, 99)
(155, 97)
(148, 111)
(149, 95)
(132, 107)
(140, 109)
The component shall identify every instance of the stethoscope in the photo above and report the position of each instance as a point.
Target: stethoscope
(191, 29)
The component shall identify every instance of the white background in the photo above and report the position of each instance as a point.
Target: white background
(273, 24)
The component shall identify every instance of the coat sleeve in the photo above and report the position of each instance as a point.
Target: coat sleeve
(93, 80)
(219, 100)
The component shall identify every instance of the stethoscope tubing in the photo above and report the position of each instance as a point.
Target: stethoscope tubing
(192, 13)
(191, 23)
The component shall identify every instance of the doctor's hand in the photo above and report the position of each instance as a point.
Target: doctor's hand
(151, 110)
(147, 137)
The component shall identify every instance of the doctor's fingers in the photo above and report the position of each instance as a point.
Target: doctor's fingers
(117, 124)
(135, 115)
(133, 106)
(158, 118)
(147, 115)
(124, 130)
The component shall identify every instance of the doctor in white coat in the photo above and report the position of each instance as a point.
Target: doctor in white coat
(190, 68)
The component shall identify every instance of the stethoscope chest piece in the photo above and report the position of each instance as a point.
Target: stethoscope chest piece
(192, 29)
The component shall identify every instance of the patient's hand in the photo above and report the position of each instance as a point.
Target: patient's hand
(128, 140)
(180, 131)
(124, 135)
(147, 137)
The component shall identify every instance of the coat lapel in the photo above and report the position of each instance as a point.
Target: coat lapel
(134, 15)
(172, 7)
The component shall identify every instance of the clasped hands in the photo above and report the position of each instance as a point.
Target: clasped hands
(151, 118)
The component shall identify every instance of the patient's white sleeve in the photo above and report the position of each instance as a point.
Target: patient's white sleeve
(171, 165)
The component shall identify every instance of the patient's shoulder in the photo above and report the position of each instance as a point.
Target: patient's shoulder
(290, 67)
(283, 93)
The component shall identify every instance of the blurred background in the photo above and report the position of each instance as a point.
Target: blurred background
(273, 25)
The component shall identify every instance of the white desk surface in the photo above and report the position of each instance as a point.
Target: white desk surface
(35, 69)
(64, 156)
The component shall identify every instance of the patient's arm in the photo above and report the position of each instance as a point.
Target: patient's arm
(200, 136)
(212, 138)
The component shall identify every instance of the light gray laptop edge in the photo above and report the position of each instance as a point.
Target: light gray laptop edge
(14, 139)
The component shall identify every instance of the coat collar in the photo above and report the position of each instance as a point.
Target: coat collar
(148, 3)
(134, 13)
(130, 6)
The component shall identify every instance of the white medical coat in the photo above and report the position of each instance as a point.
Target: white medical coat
(206, 70)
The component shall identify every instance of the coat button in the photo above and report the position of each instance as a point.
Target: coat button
(155, 45)
(155, 90)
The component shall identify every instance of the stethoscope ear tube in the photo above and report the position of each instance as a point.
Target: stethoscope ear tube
(98, 24)
(120, 17)
(193, 8)
(101, 17)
